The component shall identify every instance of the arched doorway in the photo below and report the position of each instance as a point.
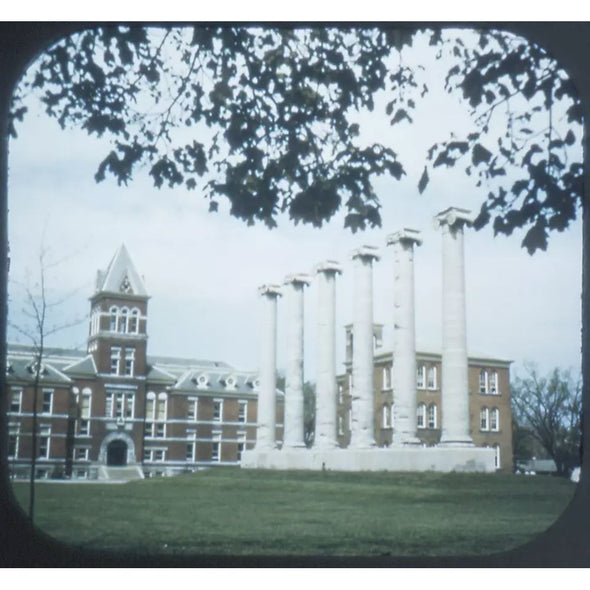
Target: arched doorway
(117, 453)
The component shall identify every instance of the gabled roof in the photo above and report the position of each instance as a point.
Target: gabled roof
(20, 369)
(121, 276)
(83, 368)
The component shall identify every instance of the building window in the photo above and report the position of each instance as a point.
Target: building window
(392, 414)
(340, 425)
(13, 440)
(84, 427)
(190, 451)
(120, 405)
(16, 401)
(122, 323)
(113, 319)
(161, 409)
(115, 359)
(421, 416)
(483, 381)
(129, 361)
(386, 416)
(160, 429)
(484, 417)
(242, 412)
(432, 422)
(47, 401)
(495, 420)
(217, 410)
(493, 382)
(44, 443)
(108, 411)
(497, 456)
(134, 321)
(340, 392)
(420, 376)
(81, 454)
(192, 410)
(216, 448)
(386, 378)
(159, 455)
(431, 378)
(241, 444)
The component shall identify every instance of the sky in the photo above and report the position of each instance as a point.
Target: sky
(203, 269)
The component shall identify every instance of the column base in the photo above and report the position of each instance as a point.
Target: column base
(456, 441)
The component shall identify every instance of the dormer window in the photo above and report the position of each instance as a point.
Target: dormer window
(202, 381)
(230, 382)
(125, 286)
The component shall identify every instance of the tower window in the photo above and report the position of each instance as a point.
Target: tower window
(129, 361)
(115, 359)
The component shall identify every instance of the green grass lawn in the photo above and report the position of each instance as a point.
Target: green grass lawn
(234, 512)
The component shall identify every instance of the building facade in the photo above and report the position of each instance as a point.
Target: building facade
(490, 417)
(115, 406)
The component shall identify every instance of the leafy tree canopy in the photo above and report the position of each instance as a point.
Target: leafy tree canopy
(550, 408)
(271, 113)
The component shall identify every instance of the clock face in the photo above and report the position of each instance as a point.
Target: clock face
(125, 286)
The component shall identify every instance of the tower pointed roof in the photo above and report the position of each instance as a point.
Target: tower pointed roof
(121, 276)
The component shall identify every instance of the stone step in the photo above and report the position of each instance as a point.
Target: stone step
(120, 474)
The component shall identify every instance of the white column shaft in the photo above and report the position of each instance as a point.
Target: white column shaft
(362, 427)
(404, 346)
(455, 385)
(326, 391)
(294, 427)
(266, 430)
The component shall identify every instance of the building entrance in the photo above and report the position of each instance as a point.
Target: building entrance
(117, 453)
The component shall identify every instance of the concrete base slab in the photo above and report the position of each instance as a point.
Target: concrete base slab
(442, 459)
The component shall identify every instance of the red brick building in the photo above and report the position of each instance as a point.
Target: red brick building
(115, 406)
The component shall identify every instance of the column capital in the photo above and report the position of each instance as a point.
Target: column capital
(328, 266)
(297, 279)
(405, 236)
(270, 290)
(454, 217)
(365, 252)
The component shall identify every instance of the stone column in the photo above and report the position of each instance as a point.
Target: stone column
(363, 403)
(455, 386)
(266, 429)
(404, 336)
(326, 390)
(293, 422)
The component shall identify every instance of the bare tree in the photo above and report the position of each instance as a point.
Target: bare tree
(551, 409)
(39, 322)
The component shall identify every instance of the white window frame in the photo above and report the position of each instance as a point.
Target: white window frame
(421, 376)
(161, 402)
(133, 321)
(496, 456)
(484, 419)
(192, 413)
(109, 404)
(483, 382)
(340, 425)
(493, 383)
(50, 392)
(129, 361)
(113, 318)
(218, 402)
(216, 447)
(243, 411)
(431, 373)
(494, 420)
(386, 376)
(392, 414)
(122, 320)
(115, 357)
(14, 433)
(44, 435)
(16, 391)
(85, 453)
(432, 416)
(421, 415)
